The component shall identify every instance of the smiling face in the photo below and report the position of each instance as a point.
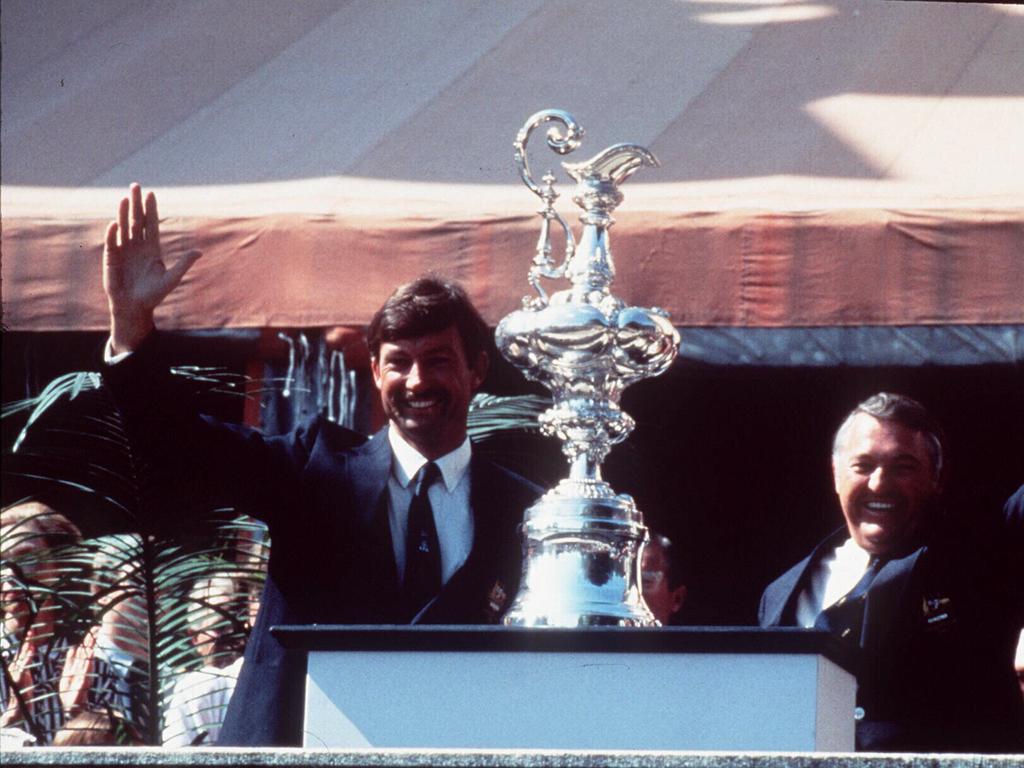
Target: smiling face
(885, 482)
(425, 385)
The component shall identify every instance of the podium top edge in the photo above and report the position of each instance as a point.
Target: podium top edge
(469, 639)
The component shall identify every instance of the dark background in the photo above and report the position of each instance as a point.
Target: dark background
(732, 462)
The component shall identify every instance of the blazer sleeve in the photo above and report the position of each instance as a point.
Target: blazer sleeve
(189, 464)
(762, 610)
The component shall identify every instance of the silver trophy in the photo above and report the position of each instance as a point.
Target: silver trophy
(583, 541)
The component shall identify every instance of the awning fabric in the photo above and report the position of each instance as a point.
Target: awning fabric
(847, 163)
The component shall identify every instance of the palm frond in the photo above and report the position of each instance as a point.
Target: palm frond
(129, 594)
(163, 608)
(506, 429)
(493, 416)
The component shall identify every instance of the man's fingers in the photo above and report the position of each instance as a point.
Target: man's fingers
(111, 238)
(152, 223)
(137, 213)
(122, 221)
(177, 270)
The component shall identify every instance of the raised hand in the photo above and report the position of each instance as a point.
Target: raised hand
(135, 277)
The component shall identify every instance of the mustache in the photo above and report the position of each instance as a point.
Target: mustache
(403, 398)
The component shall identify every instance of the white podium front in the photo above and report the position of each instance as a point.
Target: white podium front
(597, 688)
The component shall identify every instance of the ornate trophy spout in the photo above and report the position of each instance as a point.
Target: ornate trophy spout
(582, 541)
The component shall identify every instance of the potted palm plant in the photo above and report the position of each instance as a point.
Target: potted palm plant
(146, 622)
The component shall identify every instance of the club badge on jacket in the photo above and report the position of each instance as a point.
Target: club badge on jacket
(496, 600)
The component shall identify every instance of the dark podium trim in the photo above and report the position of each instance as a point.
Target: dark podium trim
(792, 640)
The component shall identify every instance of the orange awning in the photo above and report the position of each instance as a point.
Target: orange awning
(822, 163)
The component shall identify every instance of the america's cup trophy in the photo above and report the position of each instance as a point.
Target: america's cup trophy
(582, 541)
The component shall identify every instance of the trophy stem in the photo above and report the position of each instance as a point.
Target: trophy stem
(585, 468)
(591, 270)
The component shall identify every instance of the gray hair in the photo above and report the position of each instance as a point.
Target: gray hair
(887, 406)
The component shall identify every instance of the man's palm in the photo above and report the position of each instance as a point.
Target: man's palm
(135, 277)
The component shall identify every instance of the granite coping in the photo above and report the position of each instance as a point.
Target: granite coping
(102, 757)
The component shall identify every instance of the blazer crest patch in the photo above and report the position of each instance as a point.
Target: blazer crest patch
(496, 600)
(937, 612)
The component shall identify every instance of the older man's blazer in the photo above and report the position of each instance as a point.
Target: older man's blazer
(935, 646)
(323, 492)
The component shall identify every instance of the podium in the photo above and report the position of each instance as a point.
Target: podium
(600, 688)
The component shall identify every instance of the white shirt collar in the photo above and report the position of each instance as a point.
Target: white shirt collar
(408, 461)
(851, 557)
(842, 570)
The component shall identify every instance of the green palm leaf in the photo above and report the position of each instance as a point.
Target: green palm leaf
(506, 430)
(128, 586)
(138, 583)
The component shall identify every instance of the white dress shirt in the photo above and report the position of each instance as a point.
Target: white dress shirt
(198, 704)
(835, 575)
(108, 353)
(449, 501)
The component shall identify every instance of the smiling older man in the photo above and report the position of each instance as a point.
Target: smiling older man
(929, 600)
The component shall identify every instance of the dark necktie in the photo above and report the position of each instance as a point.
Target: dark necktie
(422, 551)
(846, 616)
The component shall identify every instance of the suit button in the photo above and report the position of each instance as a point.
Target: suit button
(845, 632)
(858, 713)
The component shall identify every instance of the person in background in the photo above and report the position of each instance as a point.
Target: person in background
(930, 603)
(662, 581)
(93, 728)
(32, 535)
(196, 708)
(1013, 513)
(1018, 662)
(107, 668)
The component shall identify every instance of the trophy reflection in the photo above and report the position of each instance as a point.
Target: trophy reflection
(582, 541)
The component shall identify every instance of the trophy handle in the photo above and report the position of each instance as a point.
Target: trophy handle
(562, 144)
(543, 265)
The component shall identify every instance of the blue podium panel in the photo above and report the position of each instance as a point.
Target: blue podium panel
(581, 689)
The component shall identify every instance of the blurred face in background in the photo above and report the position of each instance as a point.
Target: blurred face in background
(663, 599)
(215, 600)
(27, 534)
(20, 571)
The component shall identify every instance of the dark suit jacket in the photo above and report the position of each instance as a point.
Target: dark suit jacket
(323, 491)
(935, 668)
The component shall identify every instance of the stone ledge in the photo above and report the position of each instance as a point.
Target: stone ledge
(104, 757)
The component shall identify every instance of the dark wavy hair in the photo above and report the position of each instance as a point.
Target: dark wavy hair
(888, 406)
(428, 305)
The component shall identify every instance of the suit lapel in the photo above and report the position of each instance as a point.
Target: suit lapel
(780, 593)
(369, 467)
(885, 600)
(780, 607)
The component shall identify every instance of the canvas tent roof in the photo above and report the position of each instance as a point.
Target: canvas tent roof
(823, 163)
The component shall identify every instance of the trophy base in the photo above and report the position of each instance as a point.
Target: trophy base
(568, 620)
(581, 566)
